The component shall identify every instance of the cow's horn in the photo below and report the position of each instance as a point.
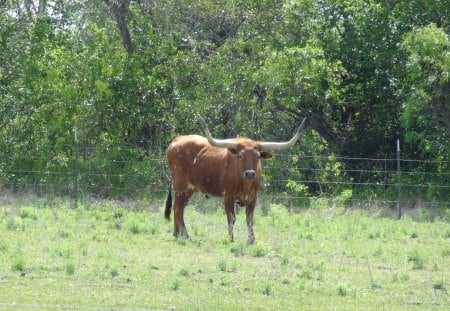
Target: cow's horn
(220, 143)
(284, 145)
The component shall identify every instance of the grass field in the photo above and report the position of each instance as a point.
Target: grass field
(105, 256)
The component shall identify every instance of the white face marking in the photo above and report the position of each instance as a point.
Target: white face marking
(195, 160)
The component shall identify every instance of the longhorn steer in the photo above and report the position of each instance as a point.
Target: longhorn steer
(229, 168)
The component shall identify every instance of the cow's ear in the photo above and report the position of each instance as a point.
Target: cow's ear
(233, 151)
(266, 155)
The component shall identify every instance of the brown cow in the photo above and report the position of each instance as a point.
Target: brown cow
(229, 168)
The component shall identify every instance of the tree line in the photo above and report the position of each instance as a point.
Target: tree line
(136, 74)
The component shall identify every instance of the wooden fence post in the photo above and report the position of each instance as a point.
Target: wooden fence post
(75, 175)
(399, 208)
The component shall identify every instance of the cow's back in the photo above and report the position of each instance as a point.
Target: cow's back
(194, 163)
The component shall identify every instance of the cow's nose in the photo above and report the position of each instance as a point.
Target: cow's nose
(249, 174)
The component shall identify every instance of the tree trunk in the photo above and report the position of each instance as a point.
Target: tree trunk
(120, 10)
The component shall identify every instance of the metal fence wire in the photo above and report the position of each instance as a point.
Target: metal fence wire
(291, 179)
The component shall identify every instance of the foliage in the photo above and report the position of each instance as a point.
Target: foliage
(134, 74)
(428, 90)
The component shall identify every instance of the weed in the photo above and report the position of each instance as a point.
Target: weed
(378, 251)
(374, 235)
(258, 251)
(267, 290)
(418, 259)
(19, 263)
(341, 290)
(400, 278)
(285, 281)
(84, 249)
(436, 267)
(70, 268)
(344, 290)
(284, 260)
(238, 249)
(114, 272)
(116, 224)
(119, 212)
(198, 230)
(445, 251)
(342, 199)
(438, 284)
(13, 224)
(4, 246)
(222, 265)
(184, 272)
(28, 212)
(278, 214)
(64, 234)
(135, 227)
(265, 208)
(447, 234)
(175, 285)
(414, 235)
(153, 230)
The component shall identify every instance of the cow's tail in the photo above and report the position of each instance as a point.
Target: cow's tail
(168, 209)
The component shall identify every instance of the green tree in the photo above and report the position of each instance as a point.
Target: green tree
(426, 110)
(426, 114)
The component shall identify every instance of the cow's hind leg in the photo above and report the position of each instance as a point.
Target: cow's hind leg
(181, 199)
(231, 216)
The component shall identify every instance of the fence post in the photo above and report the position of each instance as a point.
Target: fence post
(399, 208)
(75, 175)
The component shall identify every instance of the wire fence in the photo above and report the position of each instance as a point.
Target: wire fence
(295, 180)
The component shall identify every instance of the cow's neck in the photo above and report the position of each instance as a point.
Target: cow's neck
(249, 190)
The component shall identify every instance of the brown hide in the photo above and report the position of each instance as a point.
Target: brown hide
(195, 164)
(234, 174)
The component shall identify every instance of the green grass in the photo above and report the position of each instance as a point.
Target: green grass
(105, 255)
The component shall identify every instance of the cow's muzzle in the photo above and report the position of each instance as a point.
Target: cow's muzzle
(249, 174)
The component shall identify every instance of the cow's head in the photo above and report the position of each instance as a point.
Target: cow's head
(248, 151)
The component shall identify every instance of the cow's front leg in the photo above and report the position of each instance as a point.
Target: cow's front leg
(231, 216)
(181, 199)
(250, 209)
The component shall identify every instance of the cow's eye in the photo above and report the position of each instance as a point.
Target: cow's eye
(241, 156)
